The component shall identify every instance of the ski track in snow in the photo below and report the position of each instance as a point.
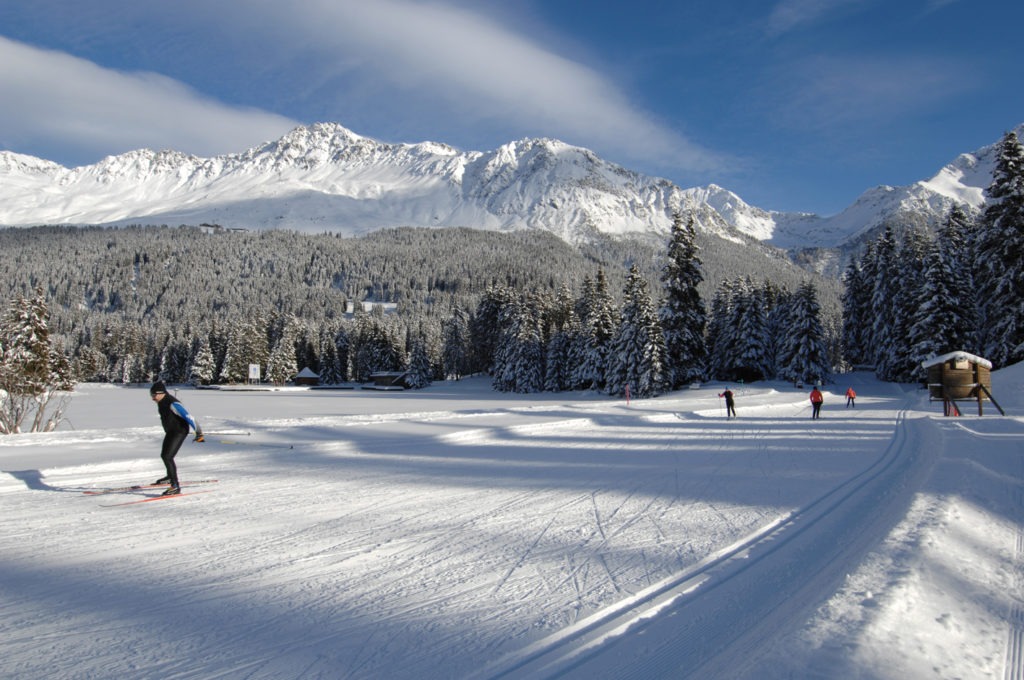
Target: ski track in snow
(492, 536)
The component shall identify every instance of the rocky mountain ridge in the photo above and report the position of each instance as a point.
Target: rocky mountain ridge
(325, 177)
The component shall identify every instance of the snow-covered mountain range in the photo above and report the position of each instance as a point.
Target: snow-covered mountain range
(327, 178)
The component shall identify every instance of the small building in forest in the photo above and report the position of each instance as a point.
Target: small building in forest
(387, 381)
(957, 377)
(307, 377)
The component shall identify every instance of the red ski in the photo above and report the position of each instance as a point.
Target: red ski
(155, 498)
(141, 487)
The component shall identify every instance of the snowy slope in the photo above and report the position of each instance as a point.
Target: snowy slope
(325, 177)
(458, 533)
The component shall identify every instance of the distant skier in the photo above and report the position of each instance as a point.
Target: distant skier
(850, 397)
(816, 399)
(176, 421)
(730, 404)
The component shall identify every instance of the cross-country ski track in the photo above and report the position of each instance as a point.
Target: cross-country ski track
(455, 532)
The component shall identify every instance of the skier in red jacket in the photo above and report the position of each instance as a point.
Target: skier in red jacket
(816, 399)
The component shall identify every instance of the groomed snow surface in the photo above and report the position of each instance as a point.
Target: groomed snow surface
(455, 532)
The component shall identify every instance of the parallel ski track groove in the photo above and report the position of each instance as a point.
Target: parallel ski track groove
(561, 657)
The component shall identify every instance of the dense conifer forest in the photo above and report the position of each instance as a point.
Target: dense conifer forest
(201, 303)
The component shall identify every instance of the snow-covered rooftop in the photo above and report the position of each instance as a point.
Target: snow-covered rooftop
(957, 356)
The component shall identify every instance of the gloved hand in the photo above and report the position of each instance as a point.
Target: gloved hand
(200, 437)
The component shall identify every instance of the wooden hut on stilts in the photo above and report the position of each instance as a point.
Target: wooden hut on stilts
(959, 376)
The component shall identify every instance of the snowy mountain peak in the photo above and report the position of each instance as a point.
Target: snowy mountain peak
(12, 164)
(326, 177)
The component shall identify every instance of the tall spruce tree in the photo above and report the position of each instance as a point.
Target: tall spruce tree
(911, 254)
(418, 372)
(751, 359)
(455, 354)
(719, 333)
(884, 287)
(682, 313)
(856, 315)
(638, 349)
(805, 357)
(519, 356)
(936, 329)
(598, 324)
(202, 368)
(1000, 257)
(954, 241)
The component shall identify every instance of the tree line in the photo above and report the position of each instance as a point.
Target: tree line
(173, 306)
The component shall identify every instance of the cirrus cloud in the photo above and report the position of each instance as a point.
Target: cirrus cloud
(55, 100)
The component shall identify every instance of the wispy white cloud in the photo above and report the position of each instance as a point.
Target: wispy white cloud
(790, 15)
(452, 59)
(936, 5)
(825, 92)
(56, 100)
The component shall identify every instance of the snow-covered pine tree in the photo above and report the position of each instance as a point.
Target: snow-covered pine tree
(374, 348)
(682, 313)
(884, 287)
(638, 352)
(776, 304)
(455, 352)
(282, 363)
(202, 369)
(418, 371)
(486, 327)
(955, 239)
(31, 373)
(936, 329)
(174, 360)
(999, 253)
(330, 370)
(857, 316)
(805, 357)
(719, 334)
(519, 356)
(751, 360)
(559, 358)
(599, 323)
(343, 346)
(911, 253)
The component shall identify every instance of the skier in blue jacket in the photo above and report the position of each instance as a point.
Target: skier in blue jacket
(176, 421)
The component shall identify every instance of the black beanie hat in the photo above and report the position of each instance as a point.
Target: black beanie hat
(157, 387)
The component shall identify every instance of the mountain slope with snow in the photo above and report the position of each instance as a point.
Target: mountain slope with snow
(327, 178)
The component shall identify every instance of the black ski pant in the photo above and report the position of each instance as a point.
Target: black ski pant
(172, 442)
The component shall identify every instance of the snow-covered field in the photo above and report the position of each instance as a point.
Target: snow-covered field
(455, 532)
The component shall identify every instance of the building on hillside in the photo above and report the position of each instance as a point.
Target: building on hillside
(959, 376)
(369, 306)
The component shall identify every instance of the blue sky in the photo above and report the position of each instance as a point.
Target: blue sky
(796, 105)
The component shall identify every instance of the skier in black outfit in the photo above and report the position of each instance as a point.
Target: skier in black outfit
(176, 421)
(730, 403)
